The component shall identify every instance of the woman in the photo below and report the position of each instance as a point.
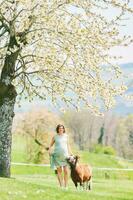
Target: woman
(61, 152)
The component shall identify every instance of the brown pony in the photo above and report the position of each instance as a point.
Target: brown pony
(80, 173)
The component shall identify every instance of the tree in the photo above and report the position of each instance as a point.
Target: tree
(55, 48)
(129, 123)
(37, 127)
(100, 139)
(123, 139)
(110, 121)
(84, 127)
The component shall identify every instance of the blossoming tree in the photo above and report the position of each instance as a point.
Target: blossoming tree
(56, 48)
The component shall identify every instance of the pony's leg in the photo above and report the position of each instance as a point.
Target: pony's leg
(76, 185)
(84, 185)
(90, 184)
(87, 185)
(81, 186)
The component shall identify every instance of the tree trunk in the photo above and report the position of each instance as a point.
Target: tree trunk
(7, 102)
(102, 132)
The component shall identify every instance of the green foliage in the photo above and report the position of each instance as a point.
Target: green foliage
(109, 150)
(104, 149)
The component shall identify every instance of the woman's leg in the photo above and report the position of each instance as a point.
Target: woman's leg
(59, 175)
(65, 168)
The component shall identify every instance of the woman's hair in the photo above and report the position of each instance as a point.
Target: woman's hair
(58, 126)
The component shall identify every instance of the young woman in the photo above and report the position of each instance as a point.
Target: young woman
(58, 156)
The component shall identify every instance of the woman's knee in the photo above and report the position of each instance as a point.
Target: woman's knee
(59, 170)
(65, 169)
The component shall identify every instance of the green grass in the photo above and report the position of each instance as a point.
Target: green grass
(96, 160)
(28, 170)
(101, 174)
(99, 160)
(45, 187)
(40, 183)
(18, 148)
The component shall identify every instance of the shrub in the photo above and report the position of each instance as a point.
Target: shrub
(104, 149)
(98, 148)
(109, 150)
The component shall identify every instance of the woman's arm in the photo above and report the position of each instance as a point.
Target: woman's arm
(51, 144)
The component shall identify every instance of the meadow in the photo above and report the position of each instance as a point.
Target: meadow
(40, 182)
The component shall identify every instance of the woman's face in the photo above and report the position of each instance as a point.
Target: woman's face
(61, 130)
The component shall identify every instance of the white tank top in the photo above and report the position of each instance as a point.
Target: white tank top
(61, 146)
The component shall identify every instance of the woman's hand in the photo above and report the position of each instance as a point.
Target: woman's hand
(51, 144)
(50, 151)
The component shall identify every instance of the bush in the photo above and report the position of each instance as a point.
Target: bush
(104, 149)
(109, 150)
(98, 148)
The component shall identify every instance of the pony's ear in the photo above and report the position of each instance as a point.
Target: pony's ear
(77, 157)
(67, 158)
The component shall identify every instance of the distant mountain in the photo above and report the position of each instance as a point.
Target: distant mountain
(128, 66)
(122, 107)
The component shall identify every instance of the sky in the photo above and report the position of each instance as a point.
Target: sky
(126, 29)
(125, 52)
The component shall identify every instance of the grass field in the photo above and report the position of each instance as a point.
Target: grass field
(40, 183)
(96, 160)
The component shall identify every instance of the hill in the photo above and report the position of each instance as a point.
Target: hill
(96, 160)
